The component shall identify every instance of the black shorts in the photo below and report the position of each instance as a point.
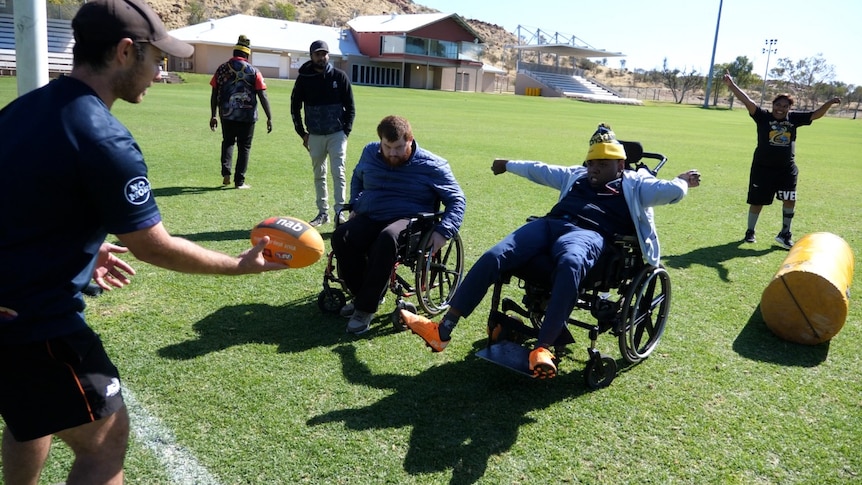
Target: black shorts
(766, 183)
(53, 385)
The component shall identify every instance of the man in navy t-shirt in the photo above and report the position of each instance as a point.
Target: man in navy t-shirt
(774, 173)
(72, 174)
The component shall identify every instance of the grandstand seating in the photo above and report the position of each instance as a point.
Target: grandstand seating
(60, 43)
(578, 87)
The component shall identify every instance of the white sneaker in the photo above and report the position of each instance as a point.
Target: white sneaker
(359, 323)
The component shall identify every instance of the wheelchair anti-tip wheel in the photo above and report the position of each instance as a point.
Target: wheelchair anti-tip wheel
(331, 300)
(438, 275)
(600, 371)
(395, 316)
(644, 313)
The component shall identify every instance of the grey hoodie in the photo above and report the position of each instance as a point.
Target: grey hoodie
(642, 191)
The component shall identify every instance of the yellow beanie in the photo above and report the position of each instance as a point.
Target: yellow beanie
(604, 145)
(243, 45)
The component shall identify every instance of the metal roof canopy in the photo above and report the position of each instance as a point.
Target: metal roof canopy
(566, 50)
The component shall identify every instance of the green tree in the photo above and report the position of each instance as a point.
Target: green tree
(718, 71)
(286, 11)
(277, 10)
(854, 95)
(679, 82)
(741, 70)
(197, 12)
(800, 77)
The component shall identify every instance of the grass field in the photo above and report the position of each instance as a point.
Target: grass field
(243, 381)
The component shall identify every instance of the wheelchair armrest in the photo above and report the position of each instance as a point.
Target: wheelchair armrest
(625, 239)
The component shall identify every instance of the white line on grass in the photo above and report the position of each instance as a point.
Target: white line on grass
(180, 464)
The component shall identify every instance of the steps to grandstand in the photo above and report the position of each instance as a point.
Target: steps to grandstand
(566, 84)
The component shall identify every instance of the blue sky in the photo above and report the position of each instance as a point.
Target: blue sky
(648, 31)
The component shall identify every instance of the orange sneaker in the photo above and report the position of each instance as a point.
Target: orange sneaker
(542, 363)
(424, 328)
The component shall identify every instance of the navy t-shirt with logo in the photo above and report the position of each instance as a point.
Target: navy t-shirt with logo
(601, 209)
(71, 175)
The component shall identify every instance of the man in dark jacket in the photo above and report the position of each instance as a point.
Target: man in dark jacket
(327, 96)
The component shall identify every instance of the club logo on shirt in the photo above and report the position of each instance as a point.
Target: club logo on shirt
(113, 388)
(138, 190)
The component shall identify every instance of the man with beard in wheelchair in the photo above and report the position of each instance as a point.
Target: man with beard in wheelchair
(393, 180)
(598, 200)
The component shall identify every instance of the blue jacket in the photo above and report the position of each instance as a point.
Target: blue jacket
(641, 189)
(384, 193)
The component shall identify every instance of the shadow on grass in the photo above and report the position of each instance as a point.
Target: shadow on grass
(757, 342)
(461, 413)
(294, 327)
(172, 191)
(715, 256)
(231, 235)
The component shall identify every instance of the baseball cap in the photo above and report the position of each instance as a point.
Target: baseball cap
(112, 20)
(318, 45)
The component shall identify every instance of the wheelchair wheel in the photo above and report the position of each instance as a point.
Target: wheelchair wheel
(395, 316)
(331, 300)
(600, 371)
(644, 313)
(438, 275)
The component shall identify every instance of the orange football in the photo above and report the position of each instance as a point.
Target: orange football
(292, 242)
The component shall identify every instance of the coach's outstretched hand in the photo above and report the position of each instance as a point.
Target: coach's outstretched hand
(253, 260)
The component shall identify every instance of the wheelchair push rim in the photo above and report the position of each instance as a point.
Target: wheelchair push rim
(438, 275)
(644, 313)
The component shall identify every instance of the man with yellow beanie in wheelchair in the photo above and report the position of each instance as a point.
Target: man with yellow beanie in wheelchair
(598, 200)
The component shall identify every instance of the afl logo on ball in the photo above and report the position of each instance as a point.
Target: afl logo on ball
(138, 190)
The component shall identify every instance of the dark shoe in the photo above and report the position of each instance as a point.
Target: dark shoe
(749, 236)
(226, 180)
(347, 310)
(321, 219)
(783, 240)
(542, 363)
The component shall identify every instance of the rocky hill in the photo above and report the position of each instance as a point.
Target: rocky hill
(179, 13)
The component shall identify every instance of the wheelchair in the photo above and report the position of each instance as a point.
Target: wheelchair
(626, 296)
(431, 279)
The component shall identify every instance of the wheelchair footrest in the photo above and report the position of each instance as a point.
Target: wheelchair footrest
(509, 355)
(517, 327)
(511, 324)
